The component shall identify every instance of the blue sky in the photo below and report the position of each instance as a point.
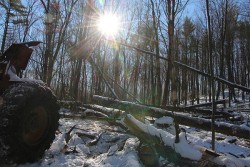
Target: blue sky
(193, 8)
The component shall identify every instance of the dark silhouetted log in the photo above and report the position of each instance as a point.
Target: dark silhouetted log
(196, 111)
(140, 111)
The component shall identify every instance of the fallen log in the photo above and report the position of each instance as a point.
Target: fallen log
(197, 111)
(176, 109)
(140, 111)
(206, 104)
(72, 105)
(111, 112)
(99, 115)
(155, 146)
(188, 150)
(171, 108)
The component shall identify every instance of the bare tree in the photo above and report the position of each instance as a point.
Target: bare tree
(211, 72)
(12, 9)
(55, 33)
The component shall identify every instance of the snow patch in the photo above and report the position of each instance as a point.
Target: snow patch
(164, 120)
(184, 148)
(229, 161)
(75, 140)
(11, 72)
(246, 161)
(58, 144)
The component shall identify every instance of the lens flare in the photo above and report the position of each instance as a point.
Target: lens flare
(108, 25)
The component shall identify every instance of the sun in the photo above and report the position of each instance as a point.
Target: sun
(108, 25)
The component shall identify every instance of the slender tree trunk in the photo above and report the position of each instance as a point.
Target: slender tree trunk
(197, 76)
(152, 79)
(117, 66)
(6, 26)
(170, 69)
(212, 74)
(158, 67)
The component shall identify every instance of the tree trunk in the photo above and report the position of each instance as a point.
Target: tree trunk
(6, 26)
(158, 67)
(171, 73)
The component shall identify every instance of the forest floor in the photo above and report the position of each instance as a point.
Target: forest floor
(92, 143)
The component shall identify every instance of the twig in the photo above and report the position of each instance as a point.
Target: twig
(67, 135)
(95, 141)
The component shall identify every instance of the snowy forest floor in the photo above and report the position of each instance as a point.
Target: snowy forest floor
(92, 143)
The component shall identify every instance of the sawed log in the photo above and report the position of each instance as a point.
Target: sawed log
(204, 156)
(139, 111)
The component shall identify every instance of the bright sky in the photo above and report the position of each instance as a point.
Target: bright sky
(193, 8)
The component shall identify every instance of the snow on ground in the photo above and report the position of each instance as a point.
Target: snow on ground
(97, 143)
(193, 150)
(90, 144)
(224, 144)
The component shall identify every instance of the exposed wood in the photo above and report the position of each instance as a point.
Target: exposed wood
(139, 111)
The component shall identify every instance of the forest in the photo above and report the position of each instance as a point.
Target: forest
(148, 60)
(127, 83)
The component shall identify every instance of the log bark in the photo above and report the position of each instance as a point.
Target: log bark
(196, 111)
(72, 105)
(111, 112)
(140, 111)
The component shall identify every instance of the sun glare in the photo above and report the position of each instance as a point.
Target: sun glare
(108, 25)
